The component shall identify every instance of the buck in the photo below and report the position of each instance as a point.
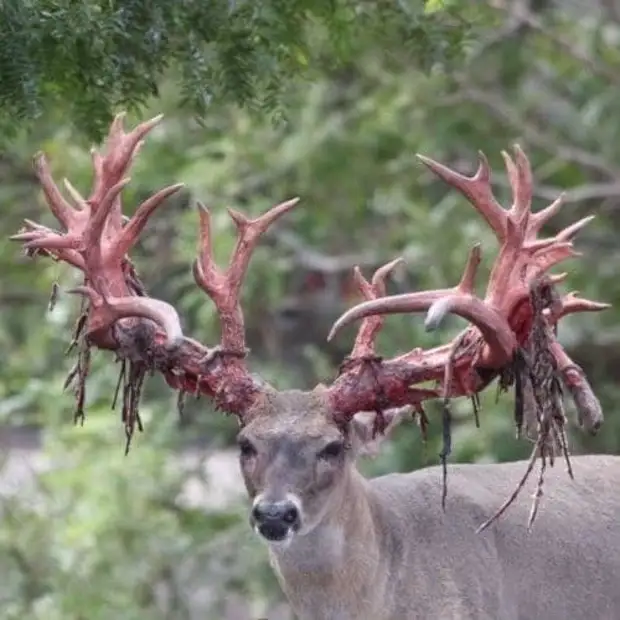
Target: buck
(345, 547)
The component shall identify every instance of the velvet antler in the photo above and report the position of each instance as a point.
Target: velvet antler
(501, 321)
(145, 332)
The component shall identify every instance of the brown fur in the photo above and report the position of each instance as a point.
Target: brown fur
(382, 549)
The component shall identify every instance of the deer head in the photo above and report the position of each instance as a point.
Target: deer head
(298, 448)
(296, 459)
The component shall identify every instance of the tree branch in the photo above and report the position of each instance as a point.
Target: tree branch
(535, 134)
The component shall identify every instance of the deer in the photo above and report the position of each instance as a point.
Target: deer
(398, 546)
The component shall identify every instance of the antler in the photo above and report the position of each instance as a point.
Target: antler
(146, 332)
(97, 238)
(501, 321)
(512, 333)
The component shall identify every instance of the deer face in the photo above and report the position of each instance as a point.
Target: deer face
(293, 458)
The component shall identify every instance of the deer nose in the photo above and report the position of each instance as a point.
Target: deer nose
(274, 520)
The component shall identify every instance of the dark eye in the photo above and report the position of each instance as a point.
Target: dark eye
(332, 450)
(246, 448)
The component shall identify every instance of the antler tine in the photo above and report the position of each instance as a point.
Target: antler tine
(568, 233)
(135, 225)
(573, 304)
(376, 305)
(540, 218)
(364, 346)
(542, 260)
(520, 177)
(224, 287)
(477, 190)
(589, 410)
(110, 167)
(36, 234)
(110, 311)
(61, 209)
(106, 214)
(120, 149)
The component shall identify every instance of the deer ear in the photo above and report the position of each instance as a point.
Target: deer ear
(362, 428)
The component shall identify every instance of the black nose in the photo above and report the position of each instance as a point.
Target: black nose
(275, 519)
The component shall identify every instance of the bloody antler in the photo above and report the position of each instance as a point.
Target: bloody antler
(145, 332)
(501, 321)
(96, 239)
(512, 334)
(224, 289)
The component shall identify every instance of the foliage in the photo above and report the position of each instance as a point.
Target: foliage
(88, 58)
(70, 552)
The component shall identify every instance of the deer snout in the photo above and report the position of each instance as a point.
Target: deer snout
(276, 520)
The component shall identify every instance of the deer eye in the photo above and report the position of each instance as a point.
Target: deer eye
(246, 448)
(332, 450)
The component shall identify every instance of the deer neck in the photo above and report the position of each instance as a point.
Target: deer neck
(331, 571)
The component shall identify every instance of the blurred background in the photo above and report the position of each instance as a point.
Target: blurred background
(87, 533)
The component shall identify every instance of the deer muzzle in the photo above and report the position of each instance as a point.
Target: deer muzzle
(276, 521)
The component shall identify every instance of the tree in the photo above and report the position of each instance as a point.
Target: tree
(85, 59)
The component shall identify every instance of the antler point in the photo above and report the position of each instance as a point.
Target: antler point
(39, 161)
(237, 217)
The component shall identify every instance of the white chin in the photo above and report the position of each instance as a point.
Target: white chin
(277, 544)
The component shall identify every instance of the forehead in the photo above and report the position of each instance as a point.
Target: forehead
(291, 418)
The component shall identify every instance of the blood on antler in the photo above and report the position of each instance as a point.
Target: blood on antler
(513, 326)
(145, 333)
(501, 320)
(96, 238)
(512, 332)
